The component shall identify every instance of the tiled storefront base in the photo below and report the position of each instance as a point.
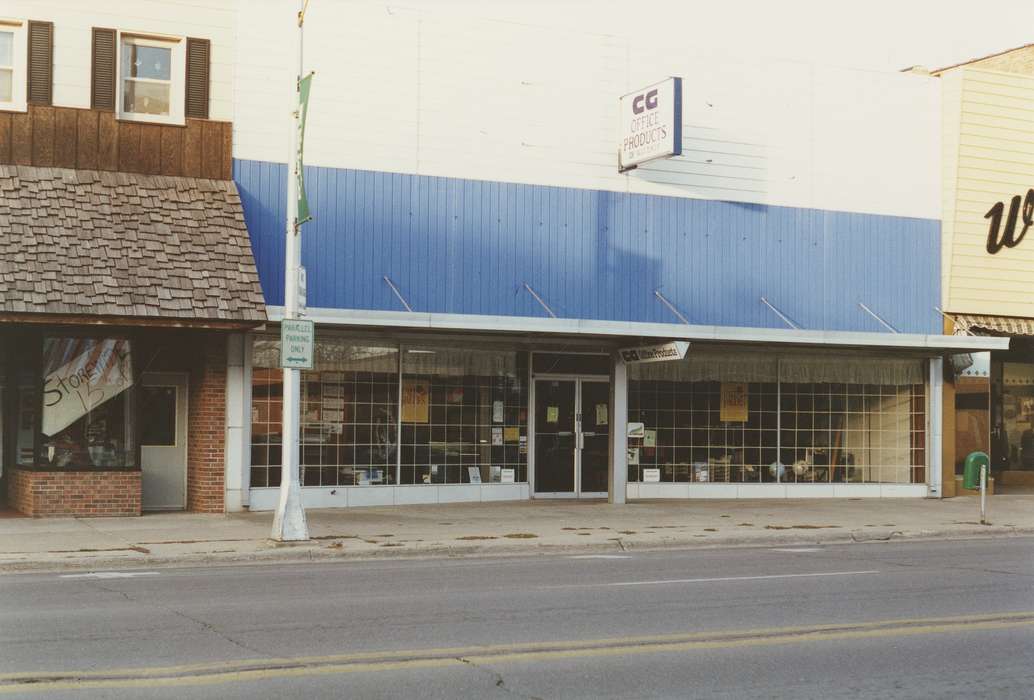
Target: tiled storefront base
(638, 491)
(74, 494)
(353, 496)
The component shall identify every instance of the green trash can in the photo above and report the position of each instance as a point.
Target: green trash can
(971, 470)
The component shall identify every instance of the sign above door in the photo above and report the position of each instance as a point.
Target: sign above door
(673, 350)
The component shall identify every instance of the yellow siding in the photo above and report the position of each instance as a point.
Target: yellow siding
(988, 157)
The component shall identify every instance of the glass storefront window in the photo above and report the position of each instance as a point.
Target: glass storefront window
(1014, 448)
(464, 416)
(736, 419)
(349, 425)
(87, 411)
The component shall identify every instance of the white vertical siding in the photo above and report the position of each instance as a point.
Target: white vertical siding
(73, 20)
(433, 92)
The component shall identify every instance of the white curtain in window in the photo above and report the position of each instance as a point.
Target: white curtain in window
(333, 355)
(813, 368)
(841, 369)
(711, 366)
(459, 362)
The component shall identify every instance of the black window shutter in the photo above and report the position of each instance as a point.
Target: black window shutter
(103, 69)
(198, 59)
(41, 63)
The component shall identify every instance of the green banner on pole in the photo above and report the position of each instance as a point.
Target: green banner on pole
(303, 107)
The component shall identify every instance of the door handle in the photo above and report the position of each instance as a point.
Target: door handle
(581, 441)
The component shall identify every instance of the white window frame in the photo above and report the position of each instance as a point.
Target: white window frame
(177, 75)
(19, 81)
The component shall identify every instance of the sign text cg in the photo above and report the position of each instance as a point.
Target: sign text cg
(649, 99)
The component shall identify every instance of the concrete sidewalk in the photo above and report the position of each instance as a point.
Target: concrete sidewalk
(496, 528)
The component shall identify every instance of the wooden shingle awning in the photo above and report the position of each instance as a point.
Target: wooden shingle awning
(77, 243)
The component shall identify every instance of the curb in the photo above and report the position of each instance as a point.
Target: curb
(310, 553)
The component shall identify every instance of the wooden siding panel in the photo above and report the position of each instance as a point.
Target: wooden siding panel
(129, 147)
(227, 173)
(5, 137)
(150, 149)
(65, 137)
(212, 150)
(86, 140)
(21, 134)
(42, 135)
(107, 141)
(192, 148)
(172, 150)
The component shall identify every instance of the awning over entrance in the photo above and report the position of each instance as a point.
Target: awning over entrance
(933, 344)
(976, 324)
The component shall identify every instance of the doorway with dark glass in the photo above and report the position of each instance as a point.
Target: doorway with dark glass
(572, 429)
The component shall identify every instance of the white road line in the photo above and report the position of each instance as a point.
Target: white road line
(601, 556)
(663, 582)
(111, 574)
(796, 549)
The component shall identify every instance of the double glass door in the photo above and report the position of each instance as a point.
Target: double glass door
(572, 429)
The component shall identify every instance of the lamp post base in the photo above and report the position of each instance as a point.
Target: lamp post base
(289, 523)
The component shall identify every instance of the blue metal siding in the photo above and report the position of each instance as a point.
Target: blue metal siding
(466, 246)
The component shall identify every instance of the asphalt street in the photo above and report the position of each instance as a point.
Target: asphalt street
(918, 619)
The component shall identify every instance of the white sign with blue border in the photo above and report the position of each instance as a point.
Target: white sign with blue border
(297, 338)
(651, 124)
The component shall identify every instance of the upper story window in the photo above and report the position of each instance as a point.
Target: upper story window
(151, 79)
(12, 64)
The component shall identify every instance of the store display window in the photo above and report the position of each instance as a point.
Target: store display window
(76, 411)
(460, 416)
(1013, 448)
(464, 416)
(753, 418)
(349, 421)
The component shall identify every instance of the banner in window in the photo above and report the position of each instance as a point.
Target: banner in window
(80, 374)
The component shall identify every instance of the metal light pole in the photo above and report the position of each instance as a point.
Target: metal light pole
(289, 524)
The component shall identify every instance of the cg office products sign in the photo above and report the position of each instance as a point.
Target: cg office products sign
(651, 124)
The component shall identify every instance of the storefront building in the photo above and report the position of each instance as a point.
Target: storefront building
(476, 264)
(988, 263)
(127, 281)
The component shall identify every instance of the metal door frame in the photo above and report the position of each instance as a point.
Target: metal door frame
(179, 381)
(578, 380)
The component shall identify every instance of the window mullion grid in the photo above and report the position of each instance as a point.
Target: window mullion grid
(398, 418)
(779, 422)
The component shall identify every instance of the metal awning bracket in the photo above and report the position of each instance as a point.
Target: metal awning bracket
(671, 307)
(398, 294)
(780, 314)
(543, 304)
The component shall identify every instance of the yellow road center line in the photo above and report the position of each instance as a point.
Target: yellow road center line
(237, 671)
